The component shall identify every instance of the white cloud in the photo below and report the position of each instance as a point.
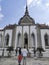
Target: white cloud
(44, 5)
(29, 2)
(39, 2)
(47, 4)
(33, 2)
(1, 16)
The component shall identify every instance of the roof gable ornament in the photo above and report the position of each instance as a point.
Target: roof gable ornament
(26, 19)
(26, 11)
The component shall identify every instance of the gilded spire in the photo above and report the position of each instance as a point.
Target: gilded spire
(26, 12)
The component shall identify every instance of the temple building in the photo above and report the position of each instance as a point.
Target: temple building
(26, 33)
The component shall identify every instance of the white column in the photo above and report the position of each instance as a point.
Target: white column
(48, 40)
(22, 45)
(38, 37)
(3, 39)
(29, 38)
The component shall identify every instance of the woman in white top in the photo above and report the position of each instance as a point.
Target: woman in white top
(24, 53)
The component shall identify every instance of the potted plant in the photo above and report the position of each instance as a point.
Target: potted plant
(10, 48)
(3, 53)
(40, 49)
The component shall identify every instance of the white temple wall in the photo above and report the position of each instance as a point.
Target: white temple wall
(1, 32)
(1, 38)
(43, 32)
(18, 30)
(10, 34)
(25, 30)
(33, 30)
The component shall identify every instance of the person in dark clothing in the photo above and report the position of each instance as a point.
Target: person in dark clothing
(16, 51)
(34, 52)
(19, 57)
(19, 50)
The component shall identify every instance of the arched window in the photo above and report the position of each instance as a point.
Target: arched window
(33, 40)
(0, 37)
(26, 40)
(18, 40)
(0, 40)
(7, 39)
(46, 40)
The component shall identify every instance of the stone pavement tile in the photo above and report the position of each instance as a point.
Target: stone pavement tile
(9, 62)
(30, 61)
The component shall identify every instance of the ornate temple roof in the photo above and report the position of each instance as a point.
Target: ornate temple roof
(26, 19)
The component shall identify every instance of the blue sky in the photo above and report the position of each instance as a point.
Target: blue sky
(12, 10)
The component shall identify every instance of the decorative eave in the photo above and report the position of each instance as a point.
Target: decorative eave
(10, 26)
(43, 26)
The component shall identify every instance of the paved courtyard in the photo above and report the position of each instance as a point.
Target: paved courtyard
(30, 61)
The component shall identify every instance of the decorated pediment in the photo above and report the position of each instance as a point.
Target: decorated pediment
(26, 19)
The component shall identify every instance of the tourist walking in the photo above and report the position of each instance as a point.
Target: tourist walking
(24, 53)
(19, 57)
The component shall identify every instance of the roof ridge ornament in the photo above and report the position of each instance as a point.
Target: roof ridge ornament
(26, 12)
(26, 19)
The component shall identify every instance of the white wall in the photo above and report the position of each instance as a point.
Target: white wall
(26, 30)
(18, 30)
(33, 30)
(10, 34)
(43, 32)
(1, 39)
(1, 32)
